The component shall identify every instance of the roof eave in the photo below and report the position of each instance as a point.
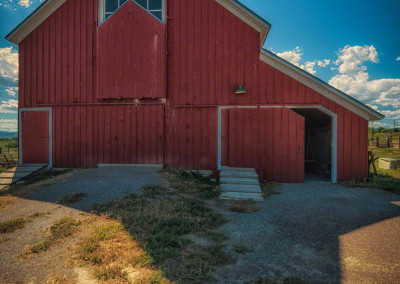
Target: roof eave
(34, 20)
(317, 84)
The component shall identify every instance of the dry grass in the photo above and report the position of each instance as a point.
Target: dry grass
(269, 188)
(72, 198)
(6, 200)
(63, 228)
(57, 278)
(113, 256)
(12, 225)
(244, 206)
(15, 224)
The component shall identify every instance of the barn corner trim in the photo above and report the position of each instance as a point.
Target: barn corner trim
(320, 86)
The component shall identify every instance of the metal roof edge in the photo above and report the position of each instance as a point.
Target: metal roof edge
(356, 102)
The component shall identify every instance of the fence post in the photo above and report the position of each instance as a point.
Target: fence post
(377, 142)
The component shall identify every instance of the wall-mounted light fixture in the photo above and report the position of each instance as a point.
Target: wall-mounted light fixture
(240, 90)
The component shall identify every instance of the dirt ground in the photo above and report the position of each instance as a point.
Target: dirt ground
(310, 233)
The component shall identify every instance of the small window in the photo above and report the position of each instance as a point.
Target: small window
(107, 7)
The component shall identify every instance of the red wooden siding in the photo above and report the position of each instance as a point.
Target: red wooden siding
(270, 140)
(131, 55)
(35, 136)
(57, 59)
(68, 63)
(85, 136)
(192, 138)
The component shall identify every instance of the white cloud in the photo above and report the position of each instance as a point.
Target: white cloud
(392, 114)
(24, 3)
(324, 63)
(8, 67)
(294, 56)
(355, 80)
(9, 106)
(398, 58)
(376, 124)
(351, 58)
(12, 91)
(9, 125)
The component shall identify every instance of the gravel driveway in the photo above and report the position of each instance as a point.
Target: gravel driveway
(317, 233)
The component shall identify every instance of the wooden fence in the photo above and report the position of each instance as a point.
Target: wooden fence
(389, 142)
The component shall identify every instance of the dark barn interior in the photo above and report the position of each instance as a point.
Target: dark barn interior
(317, 144)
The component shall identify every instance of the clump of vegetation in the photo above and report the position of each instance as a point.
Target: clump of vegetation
(159, 219)
(192, 183)
(244, 206)
(109, 273)
(72, 198)
(268, 189)
(284, 280)
(63, 228)
(57, 278)
(6, 200)
(11, 225)
(15, 224)
(242, 249)
(384, 182)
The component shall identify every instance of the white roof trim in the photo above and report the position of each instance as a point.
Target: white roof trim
(34, 20)
(320, 86)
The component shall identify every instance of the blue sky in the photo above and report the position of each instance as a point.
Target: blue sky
(353, 45)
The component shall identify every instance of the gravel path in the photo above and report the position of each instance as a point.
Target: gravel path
(320, 233)
(101, 184)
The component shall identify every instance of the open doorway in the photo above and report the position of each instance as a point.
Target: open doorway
(320, 144)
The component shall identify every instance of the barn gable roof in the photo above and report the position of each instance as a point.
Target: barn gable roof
(320, 86)
(50, 6)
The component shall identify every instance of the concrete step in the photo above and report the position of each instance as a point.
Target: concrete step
(241, 195)
(230, 169)
(33, 165)
(232, 180)
(241, 188)
(238, 174)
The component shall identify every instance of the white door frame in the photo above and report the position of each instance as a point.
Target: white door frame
(50, 110)
(321, 108)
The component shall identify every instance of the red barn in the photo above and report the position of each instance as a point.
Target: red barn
(186, 83)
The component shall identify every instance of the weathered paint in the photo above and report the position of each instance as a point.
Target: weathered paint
(86, 136)
(64, 65)
(131, 55)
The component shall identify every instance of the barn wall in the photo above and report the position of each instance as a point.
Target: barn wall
(131, 54)
(84, 136)
(270, 140)
(192, 138)
(210, 52)
(57, 62)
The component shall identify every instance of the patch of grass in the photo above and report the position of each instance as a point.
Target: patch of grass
(108, 273)
(383, 182)
(15, 224)
(242, 249)
(158, 219)
(3, 240)
(192, 183)
(72, 198)
(268, 189)
(244, 206)
(12, 225)
(57, 278)
(285, 280)
(63, 228)
(6, 200)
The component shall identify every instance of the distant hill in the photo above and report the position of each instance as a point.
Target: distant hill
(4, 134)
